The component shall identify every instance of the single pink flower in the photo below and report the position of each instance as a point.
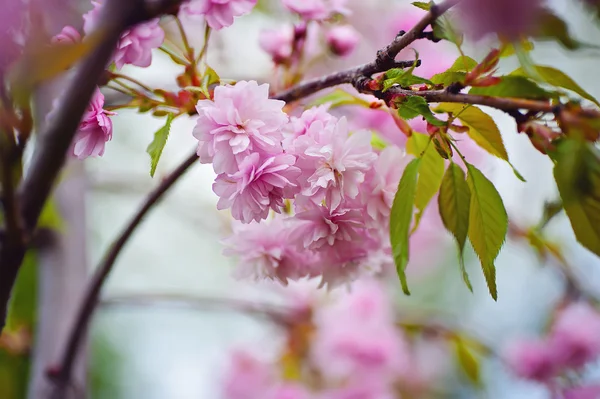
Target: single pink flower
(298, 126)
(342, 39)
(136, 44)
(531, 359)
(333, 163)
(95, 128)
(575, 335)
(317, 9)
(240, 120)
(67, 35)
(277, 43)
(219, 14)
(264, 251)
(258, 186)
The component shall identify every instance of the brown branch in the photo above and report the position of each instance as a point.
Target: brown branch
(384, 61)
(55, 139)
(92, 293)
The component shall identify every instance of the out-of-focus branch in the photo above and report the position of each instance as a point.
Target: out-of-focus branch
(54, 140)
(77, 333)
(384, 60)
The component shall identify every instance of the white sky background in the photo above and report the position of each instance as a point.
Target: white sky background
(176, 353)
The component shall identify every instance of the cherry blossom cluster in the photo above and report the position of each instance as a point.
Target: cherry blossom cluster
(573, 342)
(342, 190)
(350, 348)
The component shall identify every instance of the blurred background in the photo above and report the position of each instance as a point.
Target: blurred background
(162, 331)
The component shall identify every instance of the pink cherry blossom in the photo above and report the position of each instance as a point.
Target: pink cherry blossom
(298, 126)
(575, 336)
(91, 18)
(277, 43)
(531, 359)
(136, 44)
(356, 337)
(317, 9)
(258, 186)
(219, 14)
(67, 35)
(241, 119)
(264, 251)
(342, 40)
(333, 163)
(95, 129)
(381, 184)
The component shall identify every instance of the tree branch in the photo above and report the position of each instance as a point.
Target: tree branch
(55, 139)
(92, 293)
(385, 59)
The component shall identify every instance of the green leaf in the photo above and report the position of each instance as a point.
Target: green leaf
(577, 175)
(508, 49)
(557, 78)
(488, 224)
(422, 5)
(414, 106)
(402, 78)
(209, 78)
(454, 205)
(444, 29)
(377, 142)
(482, 129)
(514, 86)
(447, 78)
(467, 361)
(431, 171)
(338, 98)
(22, 308)
(155, 148)
(401, 218)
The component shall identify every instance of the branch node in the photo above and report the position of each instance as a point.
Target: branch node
(455, 88)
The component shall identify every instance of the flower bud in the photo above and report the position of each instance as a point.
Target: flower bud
(277, 43)
(67, 35)
(342, 40)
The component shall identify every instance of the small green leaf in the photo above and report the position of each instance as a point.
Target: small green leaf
(338, 98)
(377, 142)
(209, 78)
(422, 5)
(155, 148)
(431, 171)
(401, 218)
(577, 175)
(402, 78)
(447, 78)
(444, 29)
(557, 78)
(482, 128)
(414, 106)
(467, 361)
(514, 86)
(488, 224)
(454, 204)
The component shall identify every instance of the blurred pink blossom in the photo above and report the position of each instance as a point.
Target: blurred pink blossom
(508, 18)
(585, 392)
(247, 377)
(264, 251)
(531, 359)
(342, 39)
(241, 119)
(95, 129)
(260, 184)
(277, 43)
(575, 336)
(357, 340)
(317, 9)
(219, 14)
(68, 34)
(136, 44)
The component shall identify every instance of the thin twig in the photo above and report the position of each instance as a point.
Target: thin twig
(92, 293)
